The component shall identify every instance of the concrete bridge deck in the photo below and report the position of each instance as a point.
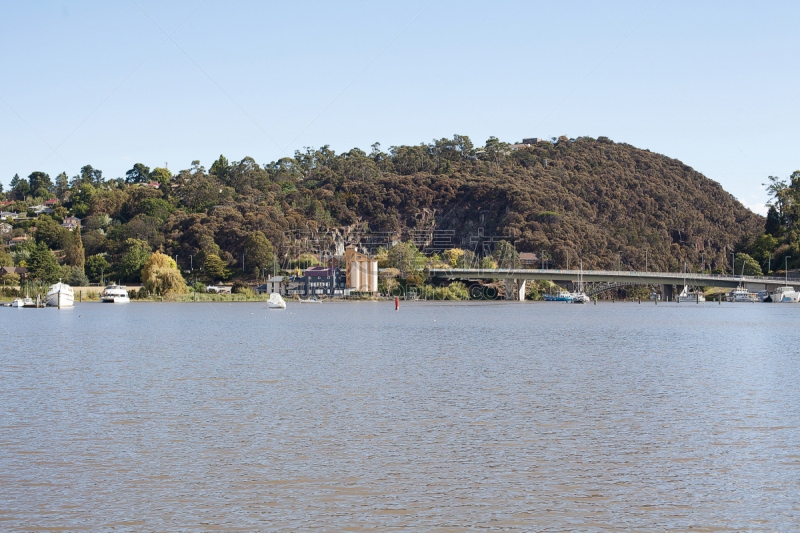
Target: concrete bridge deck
(616, 278)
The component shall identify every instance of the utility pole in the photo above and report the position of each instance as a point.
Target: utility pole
(733, 263)
(645, 261)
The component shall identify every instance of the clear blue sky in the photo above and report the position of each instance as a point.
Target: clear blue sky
(714, 84)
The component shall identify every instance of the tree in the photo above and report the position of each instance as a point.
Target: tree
(259, 250)
(43, 265)
(160, 275)
(162, 175)
(96, 267)
(77, 254)
(496, 150)
(6, 260)
(76, 277)
(19, 187)
(39, 180)
(452, 256)
(751, 266)
(221, 169)
(62, 185)
(12, 278)
(137, 254)
(138, 174)
(215, 267)
(506, 255)
(91, 175)
(50, 233)
(81, 199)
(406, 258)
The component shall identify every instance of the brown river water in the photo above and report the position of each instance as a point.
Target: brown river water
(441, 417)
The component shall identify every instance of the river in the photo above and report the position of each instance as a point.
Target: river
(441, 417)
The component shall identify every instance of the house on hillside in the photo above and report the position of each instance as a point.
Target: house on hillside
(529, 260)
(71, 223)
(22, 272)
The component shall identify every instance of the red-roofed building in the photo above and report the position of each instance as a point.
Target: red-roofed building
(51, 202)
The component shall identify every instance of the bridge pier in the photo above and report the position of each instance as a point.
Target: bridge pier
(511, 293)
(666, 293)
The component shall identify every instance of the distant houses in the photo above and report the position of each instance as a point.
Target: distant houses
(71, 223)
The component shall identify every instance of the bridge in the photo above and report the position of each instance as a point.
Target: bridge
(598, 281)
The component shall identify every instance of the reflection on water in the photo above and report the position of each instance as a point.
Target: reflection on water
(440, 417)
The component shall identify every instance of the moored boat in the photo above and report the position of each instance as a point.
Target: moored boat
(580, 298)
(17, 303)
(785, 294)
(740, 294)
(275, 301)
(560, 296)
(655, 296)
(115, 294)
(60, 295)
(690, 296)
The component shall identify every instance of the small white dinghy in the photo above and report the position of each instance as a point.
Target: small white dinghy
(275, 301)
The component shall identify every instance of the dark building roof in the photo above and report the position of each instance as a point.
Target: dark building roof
(317, 272)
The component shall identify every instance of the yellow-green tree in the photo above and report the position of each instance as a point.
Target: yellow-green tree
(452, 256)
(161, 276)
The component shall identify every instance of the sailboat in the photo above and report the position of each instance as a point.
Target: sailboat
(689, 295)
(580, 296)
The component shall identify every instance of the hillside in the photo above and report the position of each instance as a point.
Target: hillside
(585, 198)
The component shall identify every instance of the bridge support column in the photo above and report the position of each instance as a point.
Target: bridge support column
(513, 293)
(666, 293)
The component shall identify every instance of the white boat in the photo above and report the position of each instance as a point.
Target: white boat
(17, 303)
(580, 296)
(762, 296)
(690, 296)
(275, 301)
(310, 301)
(740, 294)
(115, 294)
(60, 295)
(655, 296)
(785, 294)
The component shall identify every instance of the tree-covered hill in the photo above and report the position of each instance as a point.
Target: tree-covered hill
(588, 199)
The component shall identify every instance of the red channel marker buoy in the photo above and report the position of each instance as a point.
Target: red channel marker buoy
(396, 303)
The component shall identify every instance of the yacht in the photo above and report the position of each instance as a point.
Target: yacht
(560, 296)
(275, 301)
(785, 295)
(60, 295)
(740, 294)
(690, 296)
(580, 297)
(17, 303)
(115, 294)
